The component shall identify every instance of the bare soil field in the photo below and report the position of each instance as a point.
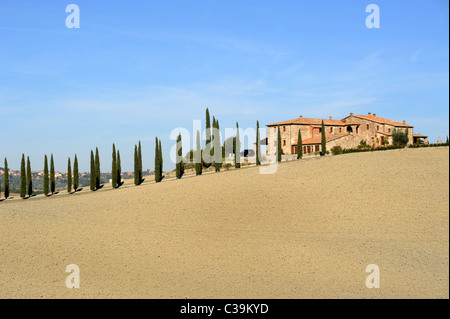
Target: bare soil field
(308, 231)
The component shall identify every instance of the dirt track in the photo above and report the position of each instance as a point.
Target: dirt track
(308, 231)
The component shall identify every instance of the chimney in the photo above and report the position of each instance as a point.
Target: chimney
(404, 122)
(374, 114)
(301, 116)
(331, 118)
(370, 114)
(351, 114)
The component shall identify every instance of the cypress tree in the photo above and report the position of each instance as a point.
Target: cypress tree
(75, 174)
(92, 173)
(160, 160)
(6, 179)
(69, 177)
(29, 178)
(119, 170)
(237, 153)
(157, 162)
(97, 169)
(198, 156)
(217, 147)
(279, 149)
(52, 175)
(206, 158)
(23, 179)
(45, 175)
(136, 166)
(299, 145)
(258, 147)
(179, 158)
(114, 167)
(324, 140)
(140, 162)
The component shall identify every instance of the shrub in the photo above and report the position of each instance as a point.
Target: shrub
(336, 150)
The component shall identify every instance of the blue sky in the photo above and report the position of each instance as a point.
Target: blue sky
(138, 69)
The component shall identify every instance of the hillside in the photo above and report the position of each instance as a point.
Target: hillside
(308, 231)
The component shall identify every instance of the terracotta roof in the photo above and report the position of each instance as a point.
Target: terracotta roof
(318, 139)
(310, 121)
(381, 120)
(384, 133)
(419, 135)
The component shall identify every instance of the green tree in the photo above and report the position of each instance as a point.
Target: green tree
(157, 162)
(323, 140)
(179, 158)
(76, 181)
(258, 146)
(299, 145)
(69, 176)
(23, 178)
(29, 178)
(206, 156)
(97, 169)
(136, 166)
(46, 179)
(237, 151)
(114, 167)
(399, 137)
(140, 162)
(160, 160)
(119, 170)
(217, 147)
(198, 156)
(92, 173)
(279, 149)
(6, 179)
(52, 175)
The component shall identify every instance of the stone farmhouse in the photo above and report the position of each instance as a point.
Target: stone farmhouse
(347, 133)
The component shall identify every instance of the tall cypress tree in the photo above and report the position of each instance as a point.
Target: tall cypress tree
(92, 173)
(23, 178)
(52, 175)
(140, 162)
(29, 178)
(279, 149)
(157, 162)
(179, 158)
(45, 175)
(69, 177)
(198, 156)
(237, 152)
(97, 169)
(258, 147)
(299, 145)
(206, 158)
(324, 140)
(136, 166)
(114, 167)
(119, 170)
(217, 147)
(6, 179)
(160, 160)
(75, 174)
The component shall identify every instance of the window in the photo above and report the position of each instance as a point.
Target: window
(331, 129)
(340, 130)
(367, 126)
(284, 128)
(284, 142)
(389, 130)
(378, 127)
